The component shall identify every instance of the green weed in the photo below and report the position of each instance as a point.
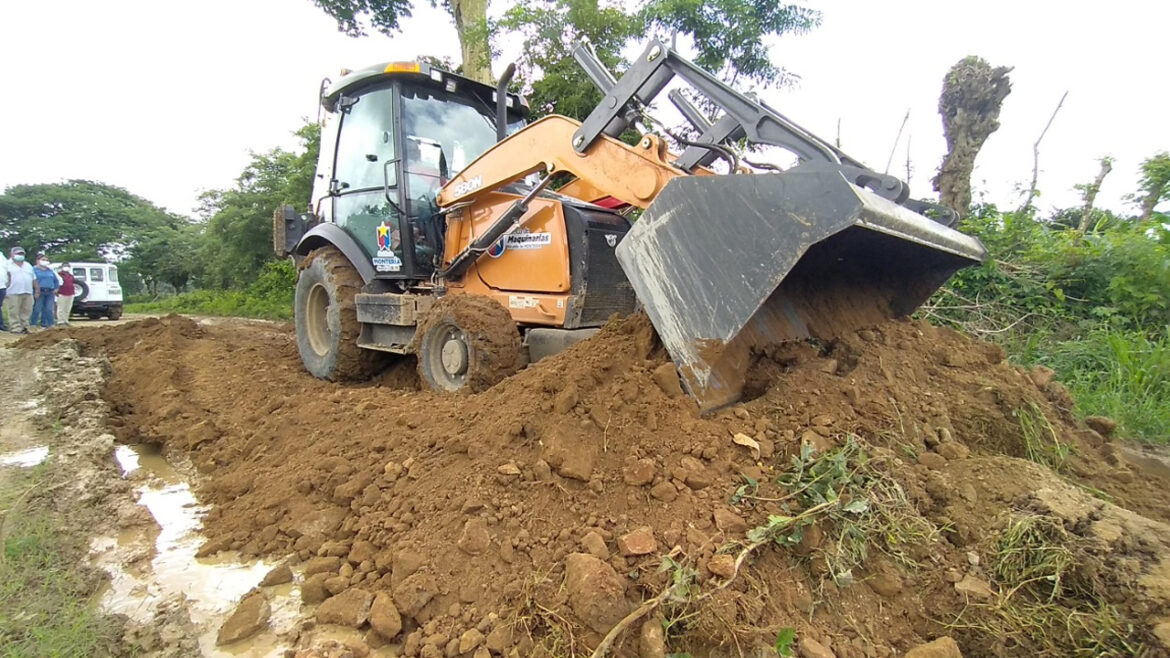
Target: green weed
(1041, 442)
(46, 606)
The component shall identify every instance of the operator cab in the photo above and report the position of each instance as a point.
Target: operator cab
(392, 136)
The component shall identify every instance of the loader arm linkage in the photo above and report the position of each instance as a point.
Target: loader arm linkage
(632, 174)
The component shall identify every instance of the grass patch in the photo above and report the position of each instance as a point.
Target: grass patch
(46, 598)
(1041, 442)
(1123, 375)
(1050, 601)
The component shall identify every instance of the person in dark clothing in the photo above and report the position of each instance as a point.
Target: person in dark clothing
(65, 294)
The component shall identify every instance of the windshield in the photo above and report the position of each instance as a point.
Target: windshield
(462, 127)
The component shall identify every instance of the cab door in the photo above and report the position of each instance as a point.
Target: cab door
(367, 165)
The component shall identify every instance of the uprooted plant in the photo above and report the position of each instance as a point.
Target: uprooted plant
(846, 493)
(1050, 600)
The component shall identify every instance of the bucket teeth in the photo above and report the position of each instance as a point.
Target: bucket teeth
(727, 264)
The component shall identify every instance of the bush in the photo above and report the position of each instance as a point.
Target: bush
(1092, 306)
(270, 296)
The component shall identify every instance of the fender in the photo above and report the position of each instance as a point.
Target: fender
(331, 234)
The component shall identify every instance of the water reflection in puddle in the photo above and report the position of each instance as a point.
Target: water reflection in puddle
(211, 586)
(25, 458)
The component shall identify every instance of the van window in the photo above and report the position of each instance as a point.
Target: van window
(79, 273)
(114, 274)
(96, 274)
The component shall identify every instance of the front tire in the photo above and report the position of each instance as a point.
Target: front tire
(467, 343)
(326, 319)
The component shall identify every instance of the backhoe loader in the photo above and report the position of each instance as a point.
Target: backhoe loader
(435, 230)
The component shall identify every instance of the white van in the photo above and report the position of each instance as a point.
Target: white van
(98, 291)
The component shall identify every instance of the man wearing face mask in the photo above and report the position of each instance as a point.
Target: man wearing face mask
(22, 286)
(45, 305)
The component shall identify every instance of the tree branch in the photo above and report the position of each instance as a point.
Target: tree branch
(1036, 157)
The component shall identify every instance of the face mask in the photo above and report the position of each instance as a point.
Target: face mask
(18, 258)
(43, 263)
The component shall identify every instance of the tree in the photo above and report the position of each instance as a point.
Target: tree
(385, 16)
(77, 219)
(167, 254)
(550, 28)
(1154, 183)
(972, 95)
(239, 220)
(728, 37)
(1089, 192)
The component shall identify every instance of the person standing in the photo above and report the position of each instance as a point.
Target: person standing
(22, 286)
(65, 294)
(45, 304)
(3, 288)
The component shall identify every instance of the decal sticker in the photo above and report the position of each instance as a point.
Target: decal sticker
(497, 249)
(387, 261)
(468, 186)
(520, 301)
(385, 238)
(610, 239)
(527, 240)
(520, 240)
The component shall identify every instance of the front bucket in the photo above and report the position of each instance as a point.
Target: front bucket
(726, 264)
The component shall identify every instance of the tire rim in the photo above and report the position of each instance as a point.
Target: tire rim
(450, 358)
(316, 320)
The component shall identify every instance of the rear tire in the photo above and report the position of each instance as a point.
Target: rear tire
(326, 319)
(114, 313)
(467, 343)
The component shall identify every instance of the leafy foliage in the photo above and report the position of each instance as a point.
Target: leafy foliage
(78, 219)
(729, 36)
(269, 297)
(355, 17)
(546, 67)
(239, 224)
(1092, 306)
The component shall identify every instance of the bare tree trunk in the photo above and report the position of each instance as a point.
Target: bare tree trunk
(1148, 203)
(1091, 194)
(972, 95)
(471, 25)
(1036, 157)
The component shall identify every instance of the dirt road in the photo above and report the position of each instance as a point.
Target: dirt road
(901, 485)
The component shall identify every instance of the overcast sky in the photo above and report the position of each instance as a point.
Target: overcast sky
(167, 98)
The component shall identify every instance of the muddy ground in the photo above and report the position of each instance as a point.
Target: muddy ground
(900, 486)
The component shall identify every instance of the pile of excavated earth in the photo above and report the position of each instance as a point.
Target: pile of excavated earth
(903, 490)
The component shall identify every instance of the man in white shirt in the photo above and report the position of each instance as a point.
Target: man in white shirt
(22, 287)
(3, 287)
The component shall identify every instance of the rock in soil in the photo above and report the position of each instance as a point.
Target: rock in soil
(279, 575)
(810, 648)
(596, 593)
(250, 617)
(943, 647)
(350, 608)
(652, 640)
(638, 542)
(384, 617)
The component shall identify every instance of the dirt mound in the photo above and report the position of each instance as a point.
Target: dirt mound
(873, 480)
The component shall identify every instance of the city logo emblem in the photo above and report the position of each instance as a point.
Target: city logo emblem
(384, 237)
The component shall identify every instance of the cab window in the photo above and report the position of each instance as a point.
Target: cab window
(79, 273)
(96, 274)
(366, 143)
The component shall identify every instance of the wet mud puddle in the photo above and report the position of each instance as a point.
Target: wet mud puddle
(150, 567)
